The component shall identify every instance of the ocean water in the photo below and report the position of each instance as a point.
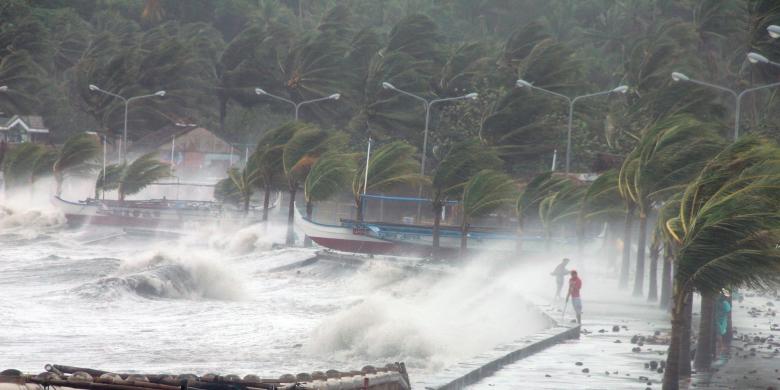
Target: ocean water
(216, 300)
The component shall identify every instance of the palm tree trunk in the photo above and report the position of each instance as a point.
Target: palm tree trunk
(464, 237)
(58, 179)
(639, 276)
(655, 251)
(246, 203)
(610, 239)
(519, 242)
(309, 214)
(678, 356)
(706, 345)
(360, 209)
(266, 201)
(685, 337)
(626, 247)
(436, 222)
(291, 217)
(666, 278)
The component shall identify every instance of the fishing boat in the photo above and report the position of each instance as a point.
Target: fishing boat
(402, 239)
(152, 213)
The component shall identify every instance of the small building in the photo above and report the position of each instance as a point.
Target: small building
(195, 152)
(23, 128)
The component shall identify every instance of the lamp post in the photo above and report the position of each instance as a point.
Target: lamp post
(525, 84)
(677, 76)
(427, 104)
(774, 31)
(123, 148)
(298, 105)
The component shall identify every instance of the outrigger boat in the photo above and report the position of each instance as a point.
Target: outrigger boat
(152, 213)
(383, 238)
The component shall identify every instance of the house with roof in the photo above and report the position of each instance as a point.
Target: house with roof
(194, 151)
(23, 128)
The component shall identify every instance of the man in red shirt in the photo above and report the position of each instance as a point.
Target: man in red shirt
(575, 284)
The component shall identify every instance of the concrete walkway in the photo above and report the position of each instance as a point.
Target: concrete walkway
(602, 358)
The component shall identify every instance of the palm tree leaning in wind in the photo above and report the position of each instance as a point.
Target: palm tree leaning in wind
(726, 231)
(140, 173)
(390, 165)
(484, 193)
(602, 205)
(18, 165)
(527, 206)
(463, 161)
(268, 160)
(328, 177)
(76, 154)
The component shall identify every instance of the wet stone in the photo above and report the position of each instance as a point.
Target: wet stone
(578, 363)
(585, 370)
(616, 328)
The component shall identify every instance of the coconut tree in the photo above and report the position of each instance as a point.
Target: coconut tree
(18, 164)
(390, 165)
(670, 153)
(42, 166)
(327, 177)
(461, 162)
(485, 192)
(601, 204)
(299, 154)
(140, 173)
(244, 182)
(108, 179)
(541, 186)
(561, 207)
(727, 231)
(268, 159)
(76, 154)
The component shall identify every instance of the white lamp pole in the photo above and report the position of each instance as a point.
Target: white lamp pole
(427, 104)
(525, 84)
(123, 148)
(677, 76)
(298, 105)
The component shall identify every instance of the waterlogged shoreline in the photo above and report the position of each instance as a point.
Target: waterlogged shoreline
(212, 302)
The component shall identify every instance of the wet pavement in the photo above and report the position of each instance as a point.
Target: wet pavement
(603, 358)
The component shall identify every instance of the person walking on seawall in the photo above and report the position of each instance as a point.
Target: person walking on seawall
(575, 284)
(559, 272)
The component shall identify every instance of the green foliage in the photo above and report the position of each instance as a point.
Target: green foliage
(540, 187)
(328, 176)
(462, 162)
(486, 192)
(18, 164)
(391, 165)
(143, 171)
(108, 179)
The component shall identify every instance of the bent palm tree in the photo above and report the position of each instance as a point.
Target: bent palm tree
(560, 207)
(484, 193)
(541, 186)
(328, 176)
(108, 179)
(18, 164)
(76, 154)
(392, 164)
(727, 231)
(140, 173)
(268, 159)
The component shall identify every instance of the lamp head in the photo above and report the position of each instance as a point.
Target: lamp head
(260, 91)
(621, 89)
(93, 87)
(160, 93)
(774, 31)
(387, 85)
(677, 76)
(755, 58)
(335, 96)
(3, 88)
(472, 96)
(522, 83)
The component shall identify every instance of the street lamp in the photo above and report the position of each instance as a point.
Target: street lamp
(525, 84)
(123, 148)
(427, 104)
(3, 88)
(677, 76)
(297, 106)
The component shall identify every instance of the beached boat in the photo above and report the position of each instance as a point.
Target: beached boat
(401, 239)
(152, 213)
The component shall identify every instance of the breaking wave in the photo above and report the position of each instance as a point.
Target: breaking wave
(30, 219)
(157, 275)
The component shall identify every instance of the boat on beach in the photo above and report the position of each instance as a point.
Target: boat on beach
(381, 238)
(152, 213)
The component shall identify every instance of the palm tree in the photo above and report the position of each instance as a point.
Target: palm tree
(461, 162)
(561, 207)
(244, 182)
(727, 231)
(299, 154)
(76, 154)
(670, 153)
(140, 173)
(328, 176)
(484, 193)
(268, 159)
(601, 204)
(18, 164)
(390, 165)
(541, 186)
(42, 166)
(108, 179)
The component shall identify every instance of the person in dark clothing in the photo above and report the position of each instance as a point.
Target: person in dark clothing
(559, 272)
